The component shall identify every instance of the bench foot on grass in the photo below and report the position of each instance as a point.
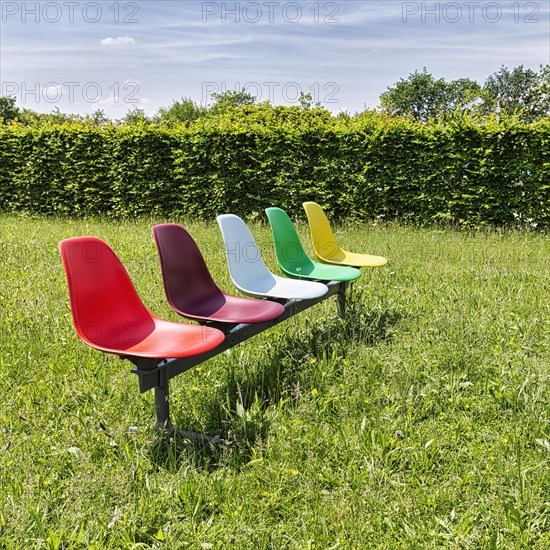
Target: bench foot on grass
(194, 437)
(164, 426)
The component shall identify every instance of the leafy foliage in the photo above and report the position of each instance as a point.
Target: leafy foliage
(180, 112)
(520, 92)
(420, 96)
(232, 99)
(8, 110)
(368, 167)
(186, 111)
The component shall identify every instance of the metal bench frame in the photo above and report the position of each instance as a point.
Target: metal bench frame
(155, 374)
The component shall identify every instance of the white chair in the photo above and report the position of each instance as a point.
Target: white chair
(248, 271)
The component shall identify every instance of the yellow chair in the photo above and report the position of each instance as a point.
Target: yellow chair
(325, 246)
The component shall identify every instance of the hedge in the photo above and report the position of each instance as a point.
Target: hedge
(366, 167)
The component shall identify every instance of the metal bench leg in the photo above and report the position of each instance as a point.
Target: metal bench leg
(162, 405)
(341, 300)
(164, 425)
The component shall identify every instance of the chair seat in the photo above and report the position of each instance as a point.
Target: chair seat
(282, 287)
(248, 271)
(344, 258)
(160, 339)
(227, 308)
(190, 288)
(325, 272)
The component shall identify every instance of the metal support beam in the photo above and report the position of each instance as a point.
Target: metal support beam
(154, 374)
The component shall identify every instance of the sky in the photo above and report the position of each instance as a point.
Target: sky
(116, 56)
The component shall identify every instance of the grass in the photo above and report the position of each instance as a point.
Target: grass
(420, 421)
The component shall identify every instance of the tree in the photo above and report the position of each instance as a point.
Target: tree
(420, 96)
(135, 117)
(8, 110)
(231, 99)
(462, 94)
(180, 112)
(28, 117)
(306, 101)
(98, 118)
(520, 91)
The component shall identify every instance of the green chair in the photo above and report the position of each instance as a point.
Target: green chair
(292, 258)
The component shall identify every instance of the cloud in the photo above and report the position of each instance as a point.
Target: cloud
(118, 41)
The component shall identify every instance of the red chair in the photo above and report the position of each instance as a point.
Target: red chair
(190, 289)
(109, 315)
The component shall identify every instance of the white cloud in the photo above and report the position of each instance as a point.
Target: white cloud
(118, 41)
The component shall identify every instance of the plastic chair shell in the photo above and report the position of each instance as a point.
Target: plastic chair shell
(109, 315)
(291, 255)
(190, 288)
(248, 271)
(325, 246)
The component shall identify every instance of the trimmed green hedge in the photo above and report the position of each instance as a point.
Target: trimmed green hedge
(367, 167)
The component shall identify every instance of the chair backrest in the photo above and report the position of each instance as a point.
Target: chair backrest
(107, 311)
(288, 247)
(246, 266)
(322, 237)
(187, 281)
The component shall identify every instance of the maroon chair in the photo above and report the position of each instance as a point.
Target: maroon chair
(190, 289)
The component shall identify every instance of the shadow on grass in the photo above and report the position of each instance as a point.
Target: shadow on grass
(258, 380)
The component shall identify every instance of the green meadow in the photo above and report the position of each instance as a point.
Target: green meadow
(421, 420)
